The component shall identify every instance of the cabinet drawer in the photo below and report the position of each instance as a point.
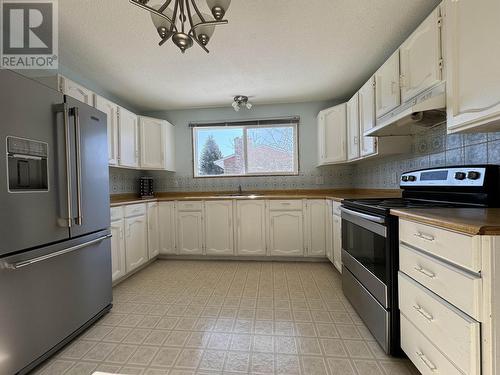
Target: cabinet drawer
(190, 206)
(135, 210)
(454, 247)
(286, 205)
(116, 213)
(450, 330)
(424, 355)
(458, 287)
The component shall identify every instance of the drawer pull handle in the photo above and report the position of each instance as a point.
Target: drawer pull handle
(424, 313)
(424, 236)
(425, 272)
(427, 362)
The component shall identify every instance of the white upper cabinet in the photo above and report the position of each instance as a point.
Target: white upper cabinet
(166, 213)
(75, 90)
(152, 134)
(286, 233)
(128, 139)
(368, 145)
(353, 128)
(153, 230)
(421, 57)
(332, 124)
(388, 95)
(219, 228)
(251, 227)
(472, 52)
(190, 232)
(316, 212)
(111, 110)
(169, 147)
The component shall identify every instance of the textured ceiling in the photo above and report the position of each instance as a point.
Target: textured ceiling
(272, 50)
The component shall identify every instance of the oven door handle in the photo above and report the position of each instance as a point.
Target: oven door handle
(375, 219)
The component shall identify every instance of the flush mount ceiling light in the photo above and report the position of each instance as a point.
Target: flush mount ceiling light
(241, 101)
(184, 22)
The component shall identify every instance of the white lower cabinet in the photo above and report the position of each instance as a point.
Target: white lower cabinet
(316, 212)
(153, 230)
(136, 242)
(117, 249)
(219, 228)
(166, 214)
(286, 233)
(190, 232)
(251, 227)
(337, 242)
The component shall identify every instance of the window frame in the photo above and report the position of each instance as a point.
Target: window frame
(296, 154)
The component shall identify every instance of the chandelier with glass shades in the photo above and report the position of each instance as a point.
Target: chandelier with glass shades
(184, 22)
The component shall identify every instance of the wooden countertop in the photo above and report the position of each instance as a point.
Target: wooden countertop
(472, 221)
(335, 194)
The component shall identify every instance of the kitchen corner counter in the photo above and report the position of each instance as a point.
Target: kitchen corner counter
(471, 221)
(335, 194)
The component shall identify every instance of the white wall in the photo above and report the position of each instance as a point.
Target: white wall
(183, 179)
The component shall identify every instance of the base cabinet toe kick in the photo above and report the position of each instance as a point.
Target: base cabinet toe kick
(449, 307)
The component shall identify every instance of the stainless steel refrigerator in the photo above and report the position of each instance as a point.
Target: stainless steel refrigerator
(55, 257)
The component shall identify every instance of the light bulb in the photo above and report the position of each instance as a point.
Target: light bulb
(249, 105)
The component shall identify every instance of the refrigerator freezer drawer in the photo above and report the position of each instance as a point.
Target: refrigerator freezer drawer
(46, 300)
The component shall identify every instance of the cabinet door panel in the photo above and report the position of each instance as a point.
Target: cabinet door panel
(136, 242)
(337, 243)
(219, 228)
(420, 58)
(117, 250)
(167, 228)
(316, 227)
(169, 153)
(332, 128)
(128, 139)
(151, 141)
(353, 128)
(111, 110)
(190, 232)
(472, 51)
(388, 95)
(153, 230)
(251, 227)
(367, 117)
(286, 233)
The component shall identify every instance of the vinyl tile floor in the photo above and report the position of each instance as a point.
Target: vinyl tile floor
(228, 317)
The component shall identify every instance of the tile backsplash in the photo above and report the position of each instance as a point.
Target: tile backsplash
(434, 148)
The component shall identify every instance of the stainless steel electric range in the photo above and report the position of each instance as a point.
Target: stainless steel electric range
(370, 238)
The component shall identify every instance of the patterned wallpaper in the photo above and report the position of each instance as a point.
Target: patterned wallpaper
(126, 181)
(433, 148)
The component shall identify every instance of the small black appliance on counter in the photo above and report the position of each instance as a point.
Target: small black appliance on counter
(146, 187)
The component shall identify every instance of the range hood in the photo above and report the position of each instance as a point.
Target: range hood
(416, 115)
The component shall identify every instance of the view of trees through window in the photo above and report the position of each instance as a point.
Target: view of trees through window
(250, 150)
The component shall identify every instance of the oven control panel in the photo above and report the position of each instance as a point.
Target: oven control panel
(459, 176)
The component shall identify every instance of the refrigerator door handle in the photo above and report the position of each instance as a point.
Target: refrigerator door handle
(64, 109)
(76, 116)
(29, 262)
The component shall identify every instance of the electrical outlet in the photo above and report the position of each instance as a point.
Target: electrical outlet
(320, 180)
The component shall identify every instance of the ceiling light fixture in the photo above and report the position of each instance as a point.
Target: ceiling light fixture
(241, 101)
(183, 24)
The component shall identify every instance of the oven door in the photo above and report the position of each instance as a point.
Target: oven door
(365, 252)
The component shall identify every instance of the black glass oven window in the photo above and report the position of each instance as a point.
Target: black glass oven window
(368, 248)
